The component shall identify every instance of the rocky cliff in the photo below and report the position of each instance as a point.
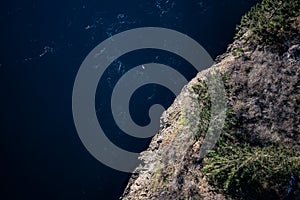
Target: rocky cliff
(257, 155)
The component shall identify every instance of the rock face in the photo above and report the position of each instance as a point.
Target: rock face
(266, 94)
(263, 92)
(172, 165)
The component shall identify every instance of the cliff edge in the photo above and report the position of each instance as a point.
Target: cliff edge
(257, 155)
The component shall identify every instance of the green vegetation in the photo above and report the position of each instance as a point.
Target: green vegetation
(238, 52)
(270, 21)
(205, 112)
(235, 167)
(242, 171)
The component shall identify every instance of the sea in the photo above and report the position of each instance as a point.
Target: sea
(43, 44)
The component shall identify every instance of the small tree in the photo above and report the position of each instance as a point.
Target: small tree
(270, 21)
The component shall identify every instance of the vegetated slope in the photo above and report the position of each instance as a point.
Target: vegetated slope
(257, 155)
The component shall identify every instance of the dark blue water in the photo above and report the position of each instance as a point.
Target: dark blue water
(43, 44)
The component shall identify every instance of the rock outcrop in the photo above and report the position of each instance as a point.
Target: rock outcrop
(263, 99)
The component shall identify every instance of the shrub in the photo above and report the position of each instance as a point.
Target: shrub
(270, 21)
(240, 170)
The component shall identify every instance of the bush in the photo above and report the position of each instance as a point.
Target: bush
(246, 172)
(270, 21)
